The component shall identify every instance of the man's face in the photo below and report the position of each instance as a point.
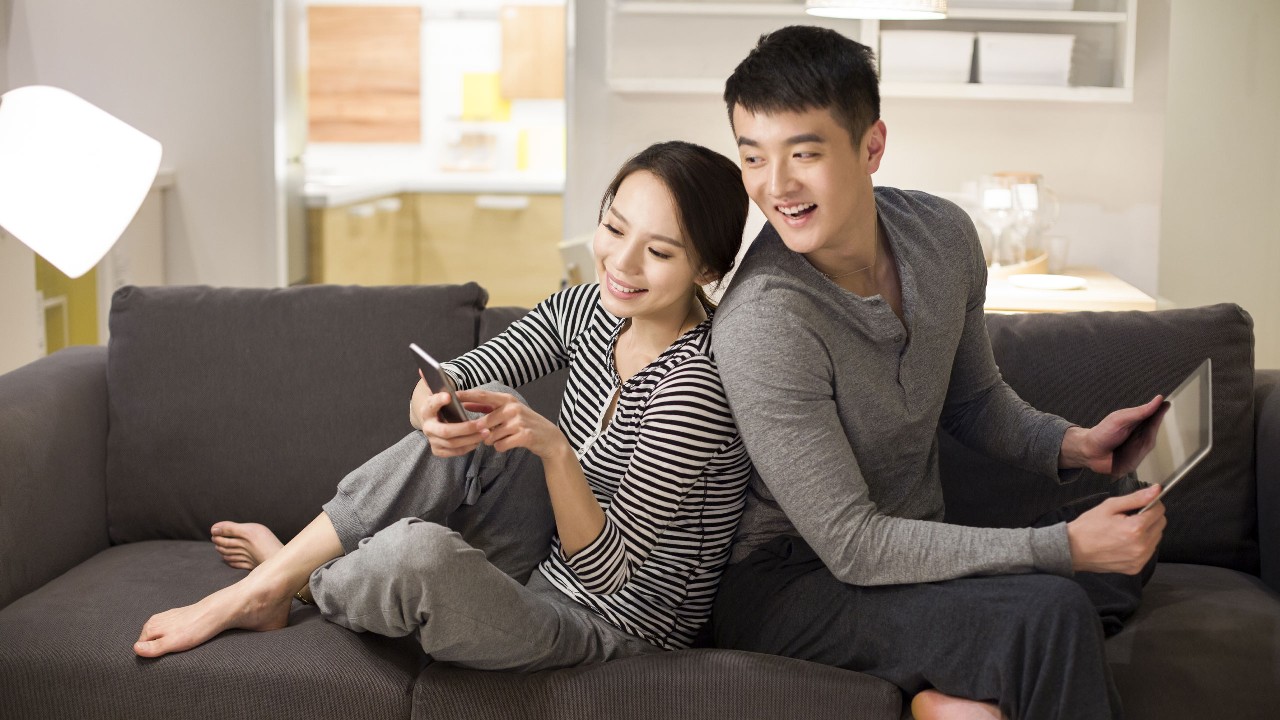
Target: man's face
(808, 178)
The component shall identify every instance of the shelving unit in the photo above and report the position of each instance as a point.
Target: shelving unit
(1105, 56)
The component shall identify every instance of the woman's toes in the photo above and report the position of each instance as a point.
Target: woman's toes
(254, 539)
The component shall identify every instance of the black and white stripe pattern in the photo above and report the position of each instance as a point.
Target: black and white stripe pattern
(670, 470)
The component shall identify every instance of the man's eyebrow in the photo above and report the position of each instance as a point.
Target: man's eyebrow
(793, 140)
(805, 138)
(652, 236)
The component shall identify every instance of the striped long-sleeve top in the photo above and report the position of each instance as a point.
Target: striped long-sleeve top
(669, 469)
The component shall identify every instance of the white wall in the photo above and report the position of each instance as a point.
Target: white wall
(21, 337)
(198, 76)
(1105, 160)
(1221, 215)
(20, 332)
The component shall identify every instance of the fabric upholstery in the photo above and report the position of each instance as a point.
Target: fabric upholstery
(53, 441)
(66, 651)
(687, 684)
(1204, 644)
(542, 394)
(1084, 365)
(1267, 412)
(252, 404)
(232, 404)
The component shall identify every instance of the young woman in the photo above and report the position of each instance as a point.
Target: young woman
(506, 542)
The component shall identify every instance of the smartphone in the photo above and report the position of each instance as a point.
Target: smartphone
(439, 381)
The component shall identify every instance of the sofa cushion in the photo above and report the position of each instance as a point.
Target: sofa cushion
(706, 684)
(65, 650)
(252, 404)
(1084, 365)
(1203, 645)
(543, 394)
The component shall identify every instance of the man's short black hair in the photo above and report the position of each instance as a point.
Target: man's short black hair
(801, 68)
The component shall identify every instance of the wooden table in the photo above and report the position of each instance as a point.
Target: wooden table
(1103, 291)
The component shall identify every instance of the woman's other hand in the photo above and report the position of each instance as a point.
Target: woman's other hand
(509, 423)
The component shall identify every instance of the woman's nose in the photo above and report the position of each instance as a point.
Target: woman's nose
(627, 257)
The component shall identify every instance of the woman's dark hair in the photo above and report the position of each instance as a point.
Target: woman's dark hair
(801, 68)
(711, 203)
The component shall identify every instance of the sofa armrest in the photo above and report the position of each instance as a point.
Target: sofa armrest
(1267, 446)
(53, 446)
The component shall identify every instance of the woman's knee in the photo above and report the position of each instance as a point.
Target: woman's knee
(415, 548)
(498, 387)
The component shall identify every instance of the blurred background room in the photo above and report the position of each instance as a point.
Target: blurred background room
(1126, 144)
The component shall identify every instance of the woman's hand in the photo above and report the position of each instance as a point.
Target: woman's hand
(447, 439)
(509, 423)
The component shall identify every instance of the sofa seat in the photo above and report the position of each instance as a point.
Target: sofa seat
(67, 650)
(1204, 643)
(696, 683)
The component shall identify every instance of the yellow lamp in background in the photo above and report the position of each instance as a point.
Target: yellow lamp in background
(71, 175)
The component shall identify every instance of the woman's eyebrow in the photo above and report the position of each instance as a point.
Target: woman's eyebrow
(652, 236)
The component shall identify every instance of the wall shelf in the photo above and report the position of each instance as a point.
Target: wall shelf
(1060, 16)
(629, 7)
(1110, 40)
(979, 91)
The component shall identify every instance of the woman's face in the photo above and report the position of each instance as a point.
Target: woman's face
(646, 266)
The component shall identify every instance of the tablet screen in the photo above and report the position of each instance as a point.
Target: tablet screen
(1185, 434)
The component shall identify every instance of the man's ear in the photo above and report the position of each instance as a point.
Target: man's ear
(873, 145)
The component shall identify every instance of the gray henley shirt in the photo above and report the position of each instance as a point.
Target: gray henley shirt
(839, 404)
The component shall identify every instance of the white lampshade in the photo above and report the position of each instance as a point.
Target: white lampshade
(878, 9)
(71, 176)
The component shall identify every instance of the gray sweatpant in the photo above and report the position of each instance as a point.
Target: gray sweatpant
(447, 549)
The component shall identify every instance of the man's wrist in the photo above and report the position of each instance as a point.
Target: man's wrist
(1072, 455)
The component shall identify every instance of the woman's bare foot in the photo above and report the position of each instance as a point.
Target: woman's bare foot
(935, 705)
(244, 546)
(245, 605)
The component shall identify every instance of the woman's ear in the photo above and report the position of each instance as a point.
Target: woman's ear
(706, 276)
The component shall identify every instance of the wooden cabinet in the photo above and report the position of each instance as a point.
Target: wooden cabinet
(367, 243)
(364, 73)
(507, 243)
(533, 50)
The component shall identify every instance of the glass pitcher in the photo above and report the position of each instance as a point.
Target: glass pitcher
(1033, 211)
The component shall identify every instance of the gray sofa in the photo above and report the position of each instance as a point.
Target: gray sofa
(214, 404)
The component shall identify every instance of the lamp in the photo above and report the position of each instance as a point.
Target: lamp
(878, 9)
(71, 176)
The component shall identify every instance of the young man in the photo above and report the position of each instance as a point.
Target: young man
(853, 330)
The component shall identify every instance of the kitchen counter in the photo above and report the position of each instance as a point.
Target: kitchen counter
(328, 190)
(1102, 291)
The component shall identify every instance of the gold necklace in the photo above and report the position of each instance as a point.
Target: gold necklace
(875, 258)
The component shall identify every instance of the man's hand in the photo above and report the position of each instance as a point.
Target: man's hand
(1095, 447)
(509, 423)
(1108, 539)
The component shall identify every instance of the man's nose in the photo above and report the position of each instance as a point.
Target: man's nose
(781, 181)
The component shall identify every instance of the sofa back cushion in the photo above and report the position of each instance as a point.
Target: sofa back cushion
(1082, 366)
(252, 404)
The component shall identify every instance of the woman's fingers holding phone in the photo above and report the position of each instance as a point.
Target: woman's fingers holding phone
(447, 439)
